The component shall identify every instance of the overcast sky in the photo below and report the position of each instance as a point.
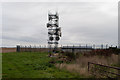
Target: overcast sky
(81, 22)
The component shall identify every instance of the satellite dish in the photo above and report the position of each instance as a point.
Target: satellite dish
(57, 38)
(50, 38)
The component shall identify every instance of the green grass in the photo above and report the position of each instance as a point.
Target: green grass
(31, 65)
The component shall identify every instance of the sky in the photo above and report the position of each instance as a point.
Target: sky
(24, 23)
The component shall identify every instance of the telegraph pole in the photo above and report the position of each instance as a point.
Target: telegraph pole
(54, 31)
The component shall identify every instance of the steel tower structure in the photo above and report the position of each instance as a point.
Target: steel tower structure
(54, 31)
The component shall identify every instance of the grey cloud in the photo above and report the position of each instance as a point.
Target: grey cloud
(81, 22)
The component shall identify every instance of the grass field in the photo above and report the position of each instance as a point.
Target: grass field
(31, 65)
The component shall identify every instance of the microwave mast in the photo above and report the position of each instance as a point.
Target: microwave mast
(54, 31)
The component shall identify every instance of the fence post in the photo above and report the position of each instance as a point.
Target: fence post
(79, 47)
(30, 48)
(18, 48)
(25, 48)
(34, 48)
(73, 49)
(39, 48)
(111, 46)
(94, 46)
(88, 66)
(86, 47)
(101, 46)
(67, 48)
(106, 46)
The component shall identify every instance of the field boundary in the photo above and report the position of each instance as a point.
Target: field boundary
(103, 70)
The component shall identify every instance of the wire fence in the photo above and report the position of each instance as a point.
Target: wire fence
(69, 48)
(94, 46)
(103, 71)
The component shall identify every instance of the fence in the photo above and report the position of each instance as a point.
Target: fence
(89, 46)
(64, 48)
(31, 49)
(84, 48)
(103, 71)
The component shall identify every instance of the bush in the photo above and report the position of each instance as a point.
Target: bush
(70, 55)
